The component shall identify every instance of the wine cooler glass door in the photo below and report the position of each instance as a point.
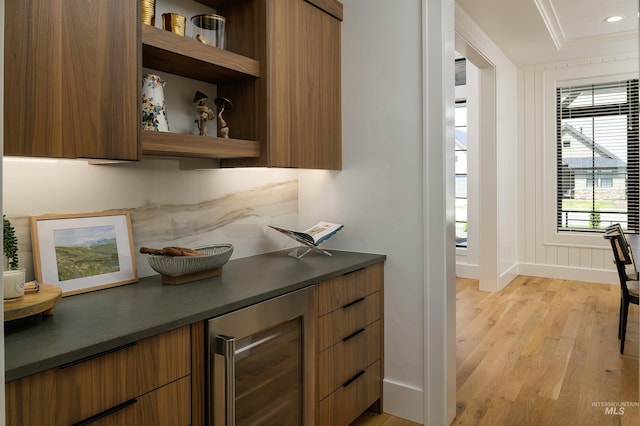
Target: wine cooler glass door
(258, 371)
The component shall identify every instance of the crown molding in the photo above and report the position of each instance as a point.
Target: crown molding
(560, 41)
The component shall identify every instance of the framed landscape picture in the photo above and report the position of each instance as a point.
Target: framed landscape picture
(83, 252)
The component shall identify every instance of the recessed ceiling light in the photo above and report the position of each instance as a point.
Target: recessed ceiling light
(614, 18)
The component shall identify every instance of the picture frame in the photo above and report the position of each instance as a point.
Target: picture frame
(83, 252)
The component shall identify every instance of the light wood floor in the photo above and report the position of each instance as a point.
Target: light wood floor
(541, 352)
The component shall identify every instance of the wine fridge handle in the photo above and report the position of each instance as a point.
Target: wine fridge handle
(226, 346)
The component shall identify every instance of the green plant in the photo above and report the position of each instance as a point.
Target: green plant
(10, 243)
(594, 220)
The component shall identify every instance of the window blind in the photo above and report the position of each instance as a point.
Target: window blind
(461, 160)
(597, 156)
(461, 71)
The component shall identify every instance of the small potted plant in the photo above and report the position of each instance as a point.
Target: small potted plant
(12, 276)
(10, 245)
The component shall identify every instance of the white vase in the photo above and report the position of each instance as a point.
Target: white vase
(154, 109)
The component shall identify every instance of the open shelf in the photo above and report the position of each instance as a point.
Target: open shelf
(165, 51)
(184, 145)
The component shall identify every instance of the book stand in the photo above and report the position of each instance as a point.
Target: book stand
(323, 230)
(302, 250)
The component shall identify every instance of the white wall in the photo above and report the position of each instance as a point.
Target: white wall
(544, 252)
(395, 193)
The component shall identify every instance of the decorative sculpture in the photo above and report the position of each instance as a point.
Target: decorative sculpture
(204, 112)
(222, 104)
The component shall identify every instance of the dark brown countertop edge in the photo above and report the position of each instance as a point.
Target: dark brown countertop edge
(88, 324)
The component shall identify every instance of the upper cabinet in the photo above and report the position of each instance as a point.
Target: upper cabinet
(296, 106)
(71, 79)
(73, 74)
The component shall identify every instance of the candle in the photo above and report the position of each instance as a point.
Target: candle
(13, 283)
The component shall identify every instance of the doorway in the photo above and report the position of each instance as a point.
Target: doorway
(479, 259)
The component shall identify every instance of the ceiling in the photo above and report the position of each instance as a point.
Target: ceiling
(533, 32)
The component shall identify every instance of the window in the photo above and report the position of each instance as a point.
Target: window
(461, 71)
(461, 172)
(597, 156)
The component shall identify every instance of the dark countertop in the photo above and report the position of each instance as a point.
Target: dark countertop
(87, 324)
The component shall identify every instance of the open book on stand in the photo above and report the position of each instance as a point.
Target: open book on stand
(313, 236)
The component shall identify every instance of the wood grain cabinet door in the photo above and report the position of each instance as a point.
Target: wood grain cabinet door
(305, 128)
(166, 406)
(71, 79)
(349, 401)
(118, 384)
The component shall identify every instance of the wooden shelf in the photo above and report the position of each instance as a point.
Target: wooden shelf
(165, 51)
(184, 145)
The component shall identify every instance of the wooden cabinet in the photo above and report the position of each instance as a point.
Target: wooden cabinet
(71, 77)
(73, 71)
(305, 120)
(296, 103)
(148, 382)
(161, 380)
(350, 345)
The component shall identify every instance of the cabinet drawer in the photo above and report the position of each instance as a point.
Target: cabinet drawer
(341, 323)
(344, 360)
(166, 406)
(345, 404)
(340, 291)
(74, 392)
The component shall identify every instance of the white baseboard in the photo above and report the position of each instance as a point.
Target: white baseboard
(468, 270)
(507, 276)
(602, 276)
(403, 401)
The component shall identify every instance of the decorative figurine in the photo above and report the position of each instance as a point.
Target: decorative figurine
(222, 104)
(204, 112)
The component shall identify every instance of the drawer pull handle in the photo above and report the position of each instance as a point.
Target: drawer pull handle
(98, 355)
(105, 413)
(353, 303)
(353, 379)
(352, 335)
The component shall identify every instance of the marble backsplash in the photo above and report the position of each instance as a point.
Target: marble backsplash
(168, 206)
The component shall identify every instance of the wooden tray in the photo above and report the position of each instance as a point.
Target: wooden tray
(187, 278)
(33, 303)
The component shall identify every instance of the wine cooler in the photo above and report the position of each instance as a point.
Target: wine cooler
(261, 363)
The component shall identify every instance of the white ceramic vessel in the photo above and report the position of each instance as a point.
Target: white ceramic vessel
(154, 108)
(13, 283)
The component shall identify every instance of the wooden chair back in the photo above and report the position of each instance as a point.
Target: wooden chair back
(623, 257)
